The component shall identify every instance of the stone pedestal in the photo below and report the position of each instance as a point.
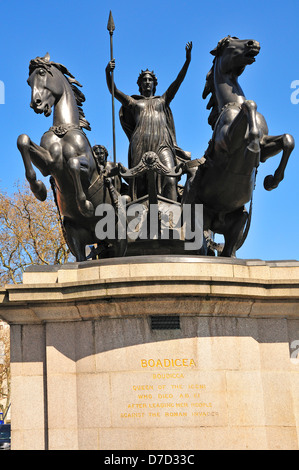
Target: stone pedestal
(156, 353)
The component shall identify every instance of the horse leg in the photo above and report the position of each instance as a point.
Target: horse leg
(85, 207)
(253, 146)
(75, 239)
(271, 146)
(34, 153)
(236, 132)
(233, 230)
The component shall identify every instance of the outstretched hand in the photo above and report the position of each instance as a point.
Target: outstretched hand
(188, 50)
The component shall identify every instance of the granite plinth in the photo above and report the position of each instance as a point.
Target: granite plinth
(91, 370)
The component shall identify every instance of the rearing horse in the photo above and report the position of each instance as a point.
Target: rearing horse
(240, 141)
(64, 153)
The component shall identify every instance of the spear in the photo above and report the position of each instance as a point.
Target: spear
(111, 28)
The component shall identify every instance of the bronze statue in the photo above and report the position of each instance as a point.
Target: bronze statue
(101, 157)
(240, 141)
(65, 154)
(221, 182)
(148, 123)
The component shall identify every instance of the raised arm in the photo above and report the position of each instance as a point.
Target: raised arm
(119, 95)
(173, 88)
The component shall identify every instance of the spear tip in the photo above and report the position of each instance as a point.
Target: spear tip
(110, 25)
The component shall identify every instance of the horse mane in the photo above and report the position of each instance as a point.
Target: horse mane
(79, 96)
(212, 104)
(210, 86)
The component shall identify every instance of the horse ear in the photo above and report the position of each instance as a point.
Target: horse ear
(47, 57)
(221, 43)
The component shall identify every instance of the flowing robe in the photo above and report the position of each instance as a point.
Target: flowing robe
(148, 124)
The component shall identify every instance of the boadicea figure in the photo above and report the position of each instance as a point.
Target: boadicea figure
(148, 123)
(66, 154)
(240, 142)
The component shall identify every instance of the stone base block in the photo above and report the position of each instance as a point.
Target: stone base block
(155, 353)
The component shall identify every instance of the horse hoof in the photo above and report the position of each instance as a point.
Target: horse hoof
(39, 190)
(269, 183)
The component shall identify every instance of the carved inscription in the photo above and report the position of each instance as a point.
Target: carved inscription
(170, 389)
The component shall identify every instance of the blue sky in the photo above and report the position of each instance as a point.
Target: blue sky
(153, 35)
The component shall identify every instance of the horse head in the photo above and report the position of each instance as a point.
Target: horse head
(49, 82)
(231, 55)
(234, 54)
(45, 90)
